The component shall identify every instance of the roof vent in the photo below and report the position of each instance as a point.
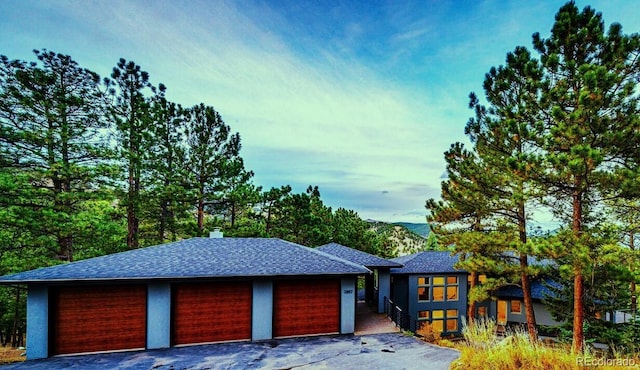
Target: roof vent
(216, 233)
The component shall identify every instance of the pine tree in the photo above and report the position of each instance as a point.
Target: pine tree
(590, 126)
(463, 218)
(168, 197)
(211, 151)
(51, 118)
(503, 136)
(131, 89)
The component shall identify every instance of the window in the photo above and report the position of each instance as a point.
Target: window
(452, 293)
(482, 311)
(438, 293)
(452, 320)
(423, 293)
(423, 318)
(440, 320)
(423, 288)
(437, 322)
(516, 306)
(438, 288)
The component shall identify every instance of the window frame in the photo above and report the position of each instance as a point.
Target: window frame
(444, 285)
(519, 304)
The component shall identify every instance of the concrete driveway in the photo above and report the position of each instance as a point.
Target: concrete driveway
(378, 351)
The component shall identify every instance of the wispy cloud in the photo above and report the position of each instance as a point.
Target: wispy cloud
(359, 99)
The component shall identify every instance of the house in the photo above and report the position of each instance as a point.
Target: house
(508, 308)
(199, 290)
(378, 284)
(429, 289)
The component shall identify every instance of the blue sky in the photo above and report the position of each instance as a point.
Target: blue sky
(358, 97)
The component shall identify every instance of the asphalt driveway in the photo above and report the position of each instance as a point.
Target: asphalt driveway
(378, 351)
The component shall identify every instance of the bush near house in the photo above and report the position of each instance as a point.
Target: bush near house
(9, 355)
(483, 350)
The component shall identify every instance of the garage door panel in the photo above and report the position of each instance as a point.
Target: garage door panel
(211, 312)
(305, 307)
(98, 318)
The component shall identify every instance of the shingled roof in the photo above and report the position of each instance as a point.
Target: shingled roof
(356, 256)
(198, 258)
(539, 289)
(428, 262)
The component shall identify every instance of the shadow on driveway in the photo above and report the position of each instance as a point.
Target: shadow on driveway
(378, 351)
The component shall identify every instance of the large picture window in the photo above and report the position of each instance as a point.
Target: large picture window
(438, 288)
(441, 320)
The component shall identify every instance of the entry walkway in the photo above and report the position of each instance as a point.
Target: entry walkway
(368, 321)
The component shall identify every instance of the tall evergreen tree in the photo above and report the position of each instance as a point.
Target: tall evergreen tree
(211, 150)
(130, 87)
(462, 218)
(271, 201)
(590, 129)
(503, 136)
(51, 119)
(303, 218)
(167, 175)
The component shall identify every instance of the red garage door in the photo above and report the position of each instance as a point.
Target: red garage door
(98, 318)
(211, 312)
(303, 307)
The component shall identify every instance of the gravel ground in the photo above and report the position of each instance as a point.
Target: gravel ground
(378, 351)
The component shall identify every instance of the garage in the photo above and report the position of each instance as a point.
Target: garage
(97, 318)
(303, 307)
(211, 312)
(192, 291)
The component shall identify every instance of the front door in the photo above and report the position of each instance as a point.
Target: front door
(502, 312)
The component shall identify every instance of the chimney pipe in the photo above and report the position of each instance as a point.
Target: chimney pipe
(216, 233)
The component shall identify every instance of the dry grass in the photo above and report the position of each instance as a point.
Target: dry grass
(9, 355)
(483, 350)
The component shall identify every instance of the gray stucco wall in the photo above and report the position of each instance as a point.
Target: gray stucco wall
(158, 315)
(37, 322)
(543, 316)
(262, 310)
(347, 305)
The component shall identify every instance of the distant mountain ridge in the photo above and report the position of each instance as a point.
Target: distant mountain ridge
(406, 237)
(421, 229)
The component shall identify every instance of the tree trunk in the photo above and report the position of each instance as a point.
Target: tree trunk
(632, 286)
(525, 281)
(14, 329)
(164, 215)
(528, 300)
(200, 216)
(471, 309)
(578, 280)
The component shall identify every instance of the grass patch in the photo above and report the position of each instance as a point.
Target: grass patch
(482, 349)
(9, 355)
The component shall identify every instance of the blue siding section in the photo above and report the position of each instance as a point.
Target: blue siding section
(384, 286)
(460, 304)
(347, 305)
(400, 294)
(158, 315)
(262, 311)
(37, 322)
